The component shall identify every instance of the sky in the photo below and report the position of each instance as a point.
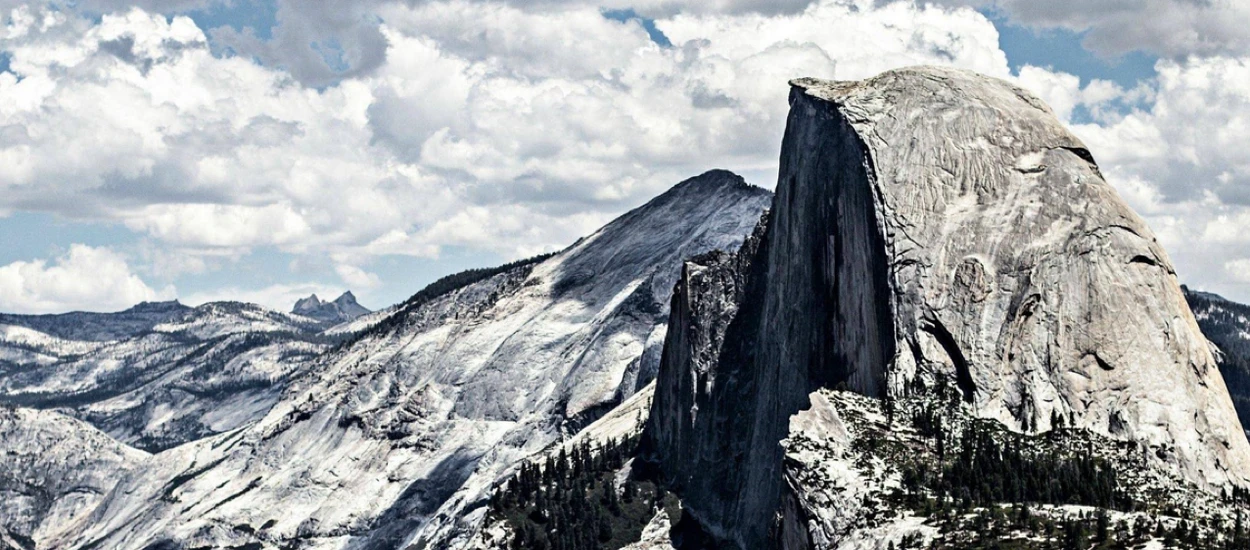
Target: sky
(266, 150)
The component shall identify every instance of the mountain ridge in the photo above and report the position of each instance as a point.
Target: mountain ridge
(156, 375)
(425, 410)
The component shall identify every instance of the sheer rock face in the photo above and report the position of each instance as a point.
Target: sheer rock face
(932, 224)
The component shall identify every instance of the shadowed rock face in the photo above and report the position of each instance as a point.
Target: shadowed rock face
(932, 224)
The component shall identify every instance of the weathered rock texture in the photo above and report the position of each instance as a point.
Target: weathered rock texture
(931, 224)
(55, 470)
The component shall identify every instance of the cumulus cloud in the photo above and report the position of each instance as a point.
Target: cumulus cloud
(483, 124)
(319, 42)
(187, 147)
(279, 297)
(1239, 269)
(357, 278)
(1171, 28)
(572, 109)
(323, 42)
(84, 278)
(1064, 92)
(218, 225)
(517, 127)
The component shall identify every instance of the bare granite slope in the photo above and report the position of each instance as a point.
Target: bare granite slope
(395, 437)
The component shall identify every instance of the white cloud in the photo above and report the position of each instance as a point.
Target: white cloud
(84, 278)
(355, 277)
(517, 127)
(485, 125)
(166, 262)
(1190, 140)
(218, 225)
(1172, 28)
(571, 109)
(194, 150)
(320, 42)
(1239, 269)
(861, 36)
(1064, 92)
(279, 297)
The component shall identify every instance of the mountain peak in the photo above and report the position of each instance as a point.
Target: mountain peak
(343, 308)
(311, 303)
(156, 307)
(891, 265)
(714, 180)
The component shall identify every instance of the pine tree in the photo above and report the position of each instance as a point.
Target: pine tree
(1103, 525)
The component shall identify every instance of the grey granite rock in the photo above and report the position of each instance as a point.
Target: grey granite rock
(1017, 270)
(932, 225)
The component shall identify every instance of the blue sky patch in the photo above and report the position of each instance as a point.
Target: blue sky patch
(1061, 50)
(260, 16)
(400, 276)
(31, 236)
(625, 16)
(26, 236)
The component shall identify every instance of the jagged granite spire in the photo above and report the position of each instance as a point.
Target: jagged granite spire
(307, 305)
(343, 308)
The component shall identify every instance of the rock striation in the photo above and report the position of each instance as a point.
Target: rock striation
(930, 226)
(56, 471)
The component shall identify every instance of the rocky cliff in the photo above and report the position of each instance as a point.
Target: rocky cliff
(931, 227)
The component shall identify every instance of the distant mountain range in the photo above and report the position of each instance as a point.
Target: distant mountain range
(1227, 325)
(159, 374)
